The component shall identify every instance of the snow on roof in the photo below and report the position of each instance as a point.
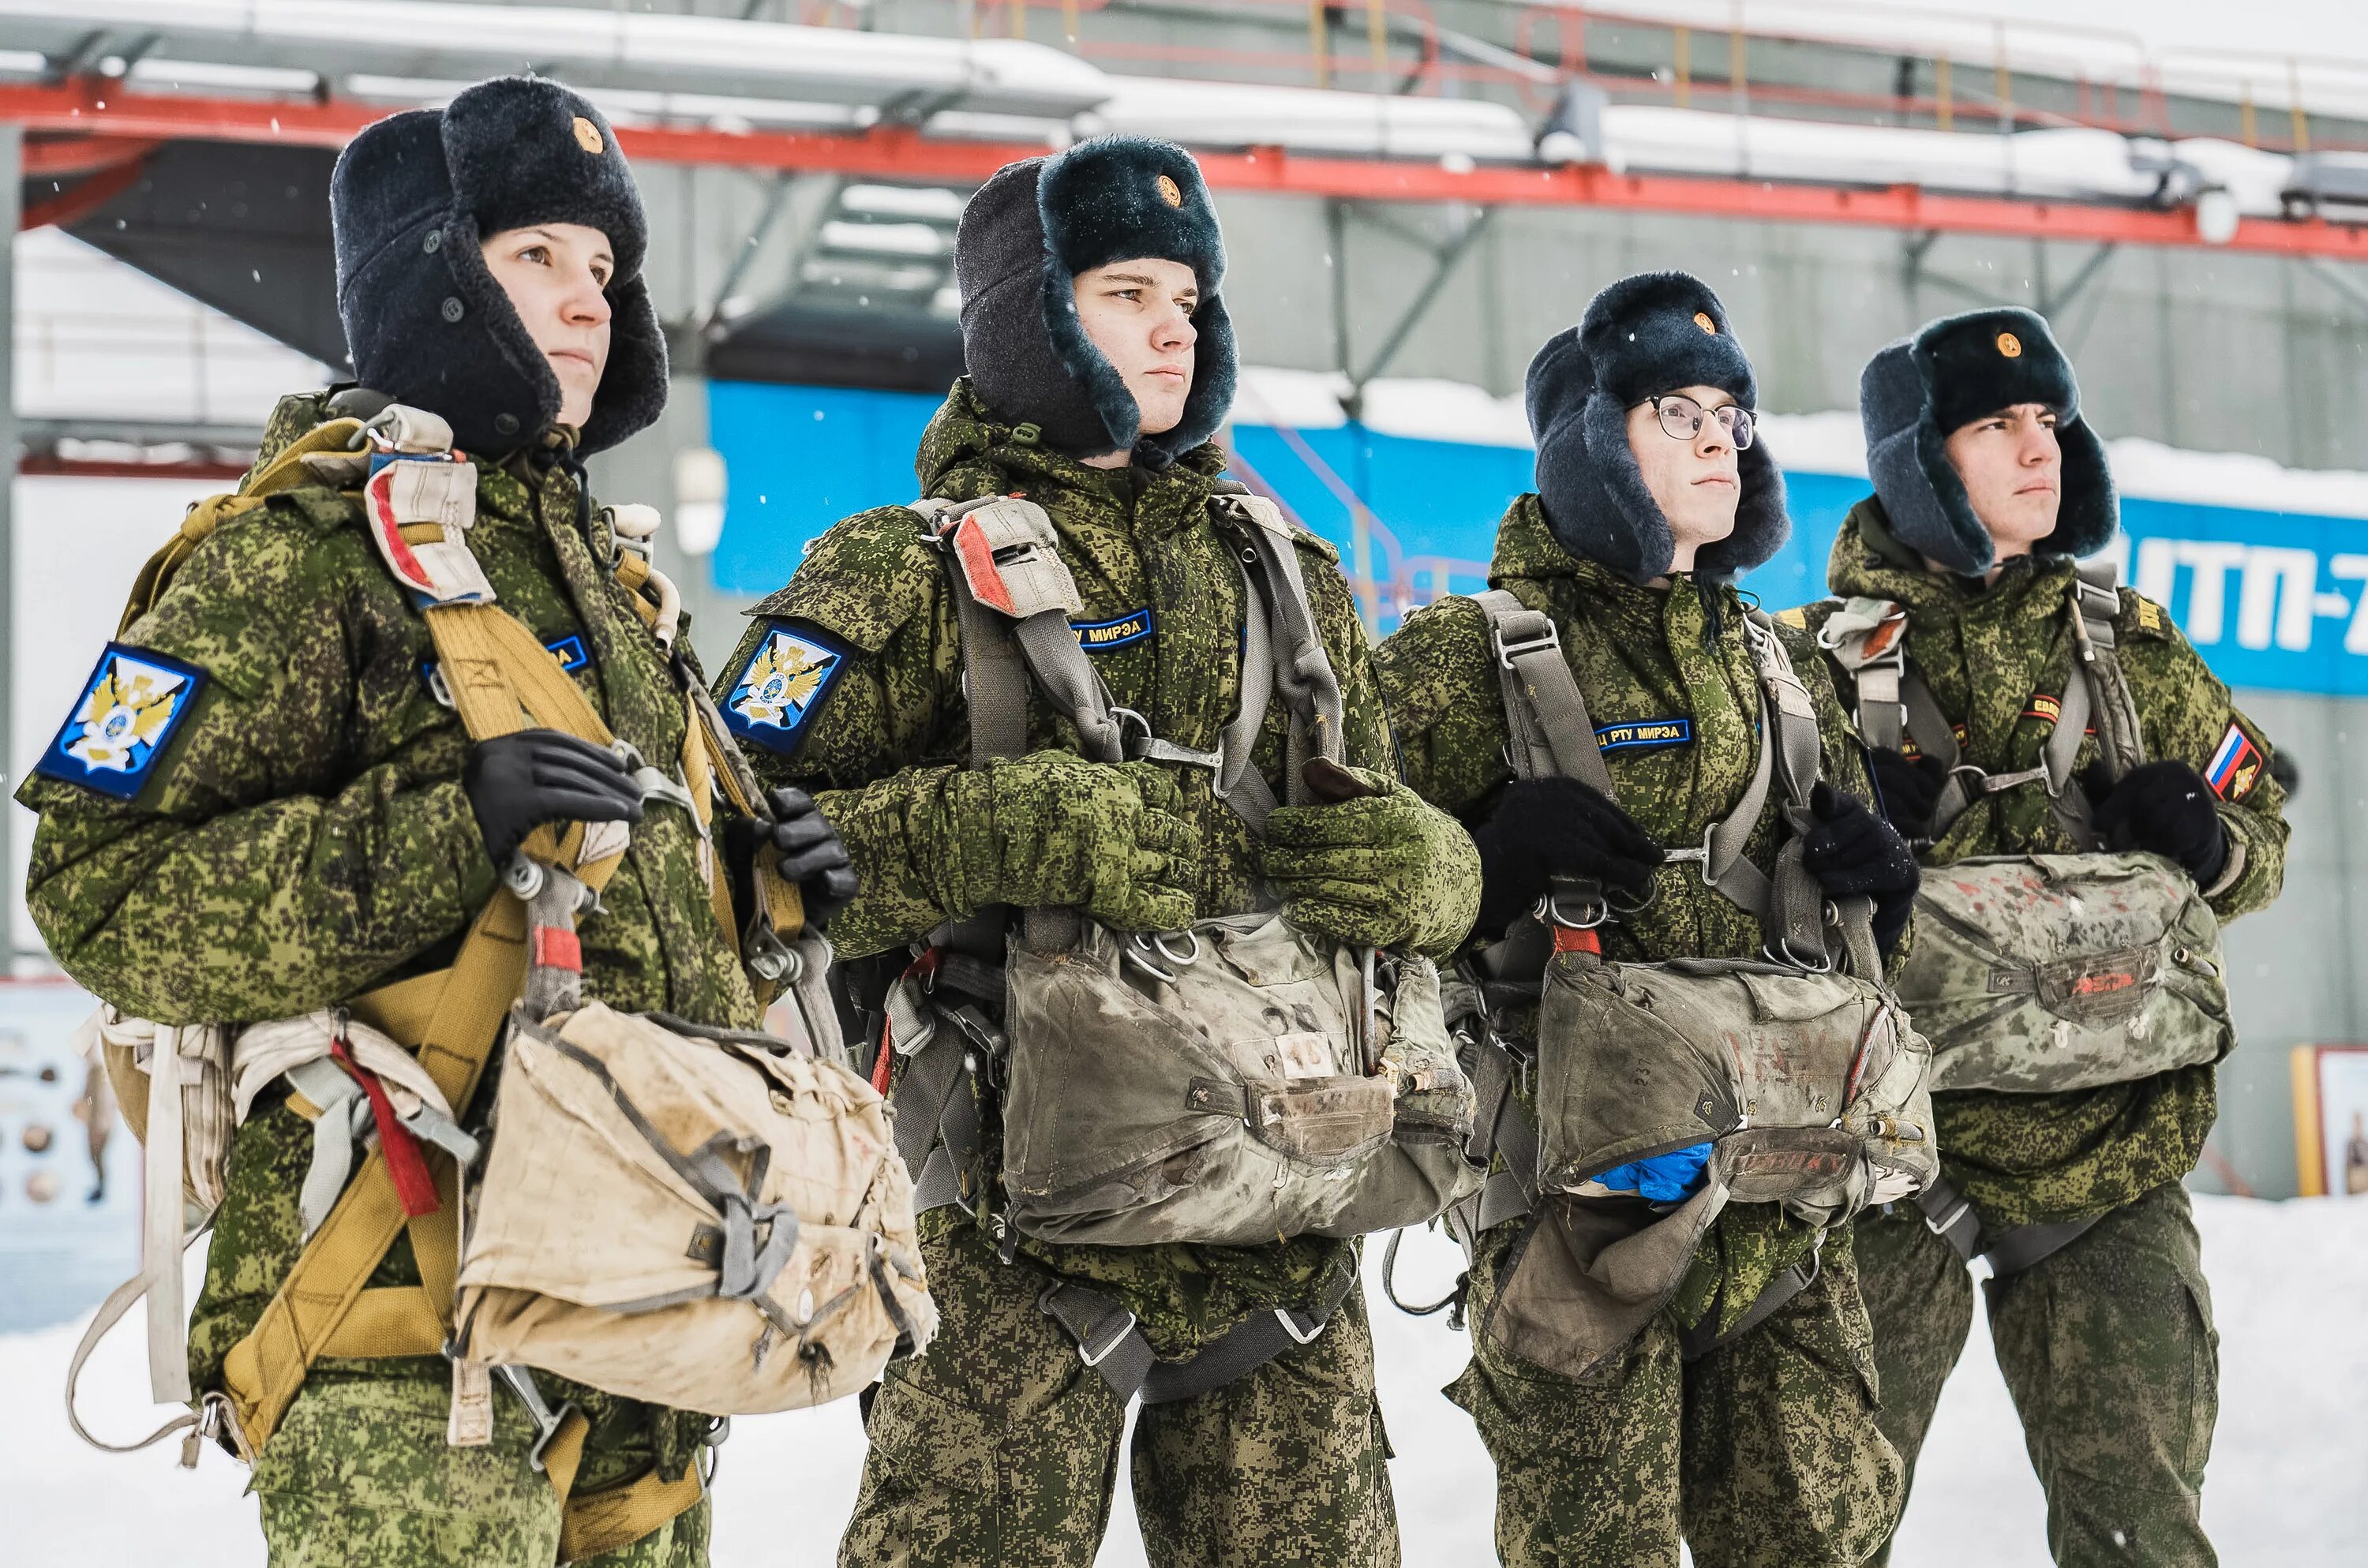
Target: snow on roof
(1829, 442)
(2204, 47)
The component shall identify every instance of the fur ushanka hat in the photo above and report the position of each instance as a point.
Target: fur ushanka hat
(1641, 336)
(1025, 236)
(1915, 392)
(411, 200)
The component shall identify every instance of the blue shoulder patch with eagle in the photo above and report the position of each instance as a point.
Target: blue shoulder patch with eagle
(783, 685)
(128, 712)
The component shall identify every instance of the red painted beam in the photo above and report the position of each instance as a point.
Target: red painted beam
(897, 153)
(48, 465)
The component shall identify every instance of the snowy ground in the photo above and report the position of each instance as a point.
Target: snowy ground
(2291, 1282)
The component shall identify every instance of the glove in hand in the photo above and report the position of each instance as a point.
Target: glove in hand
(517, 783)
(1853, 853)
(1052, 829)
(1908, 789)
(2165, 806)
(811, 856)
(1544, 828)
(1382, 870)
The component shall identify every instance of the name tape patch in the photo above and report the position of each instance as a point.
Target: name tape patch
(2236, 766)
(783, 685)
(1645, 732)
(128, 712)
(1101, 636)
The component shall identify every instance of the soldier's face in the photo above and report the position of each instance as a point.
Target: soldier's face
(1698, 483)
(2013, 470)
(555, 275)
(1139, 313)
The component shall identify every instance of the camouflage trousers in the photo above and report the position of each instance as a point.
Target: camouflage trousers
(999, 1448)
(2109, 1355)
(1764, 1452)
(358, 1476)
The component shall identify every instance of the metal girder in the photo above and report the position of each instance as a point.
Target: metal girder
(899, 152)
(1445, 258)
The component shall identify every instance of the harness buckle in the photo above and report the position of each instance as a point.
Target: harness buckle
(1694, 854)
(1120, 1323)
(1510, 649)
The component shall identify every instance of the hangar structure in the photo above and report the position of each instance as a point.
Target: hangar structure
(1418, 189)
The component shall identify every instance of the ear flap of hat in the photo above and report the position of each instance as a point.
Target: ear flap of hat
(1093, 373)
(1761, 523)
(633, 386)
(1594, 496)
(1921, 495)
(2089, 512)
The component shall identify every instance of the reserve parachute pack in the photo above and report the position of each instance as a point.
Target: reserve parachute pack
(1232, 1084)
(705, 1218)
(2040, 973)
(1799, 1067)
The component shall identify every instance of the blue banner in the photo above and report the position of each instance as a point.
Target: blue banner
(2272, 599)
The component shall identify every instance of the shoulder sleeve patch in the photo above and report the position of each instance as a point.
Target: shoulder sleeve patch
(120, 724)
(783, 684)
(2237, 764)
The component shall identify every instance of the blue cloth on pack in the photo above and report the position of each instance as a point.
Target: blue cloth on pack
(1663, 1178)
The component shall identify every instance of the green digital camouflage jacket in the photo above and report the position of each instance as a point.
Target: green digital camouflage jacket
(887, 725)
(1998, 659)
(299, 834)
(1643, 658)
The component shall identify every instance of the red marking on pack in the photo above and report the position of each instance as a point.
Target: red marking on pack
(978, 565)
(390, 531)
(557, 948)
(1577, 939)
(2104, 984)
(406, 1165)
(1886, 632)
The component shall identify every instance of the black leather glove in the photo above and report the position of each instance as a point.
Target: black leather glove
(2165, 806)
(517, 783)
(811, 857)
(1852, 852)
(1908, 789)
(1544, 828)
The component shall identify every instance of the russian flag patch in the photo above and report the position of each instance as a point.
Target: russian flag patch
(2236, 767)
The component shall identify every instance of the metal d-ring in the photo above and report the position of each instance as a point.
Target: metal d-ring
(1137, 951)
(1594, 910)
(1782, 953)
(1185, 960)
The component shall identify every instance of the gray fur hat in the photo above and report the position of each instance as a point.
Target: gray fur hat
(1915, 392)
(410, 201)
(1641, 336)
(1025, 236)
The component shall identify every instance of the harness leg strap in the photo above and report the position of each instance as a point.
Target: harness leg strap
(1110, 1341)
(1704, 1337)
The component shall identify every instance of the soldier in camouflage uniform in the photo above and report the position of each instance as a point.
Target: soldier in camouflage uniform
(1102, 362)
(300, 819)
(1758, 1445)
(1989, 486)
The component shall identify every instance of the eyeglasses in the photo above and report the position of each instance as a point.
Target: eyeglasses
(1682, 417)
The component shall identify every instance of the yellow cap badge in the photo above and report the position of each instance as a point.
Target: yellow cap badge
(1170, 192)
(587, 136)
(1702, 320)
(2009, 344)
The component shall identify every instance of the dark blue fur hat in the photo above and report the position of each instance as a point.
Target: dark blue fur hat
(1643, 336)
(1024, 238)
(410, 201)
(1915, 392)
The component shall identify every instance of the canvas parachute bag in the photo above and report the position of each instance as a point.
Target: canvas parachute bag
(754, 1186)
(1799, 1068)
(1230, 1083)
(2042, 973)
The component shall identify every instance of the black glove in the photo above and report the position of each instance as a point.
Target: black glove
(812, 858)
(1907, 787)
(2165, 806)
(517, 783)
(1852, 852)
(1544, 828)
